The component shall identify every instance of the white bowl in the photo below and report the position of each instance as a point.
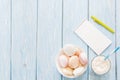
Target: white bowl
(60, 69)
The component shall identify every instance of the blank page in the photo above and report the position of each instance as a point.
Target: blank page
(95, 39)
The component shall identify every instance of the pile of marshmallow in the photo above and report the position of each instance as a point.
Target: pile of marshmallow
(72, 60)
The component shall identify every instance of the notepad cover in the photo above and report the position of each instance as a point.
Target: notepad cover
(94, 38)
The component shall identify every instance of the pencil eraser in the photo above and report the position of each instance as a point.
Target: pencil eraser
(94, 38)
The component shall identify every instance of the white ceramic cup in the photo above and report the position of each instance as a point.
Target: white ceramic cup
(101, 66)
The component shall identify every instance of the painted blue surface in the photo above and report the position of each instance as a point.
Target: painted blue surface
(33, 31)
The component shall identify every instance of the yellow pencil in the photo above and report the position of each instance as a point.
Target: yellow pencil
(103, 24)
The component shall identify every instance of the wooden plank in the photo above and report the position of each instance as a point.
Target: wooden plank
(4, 39)
(104, 10)
(74, 11)
(24, 39)
(118, 38)
(49, 38)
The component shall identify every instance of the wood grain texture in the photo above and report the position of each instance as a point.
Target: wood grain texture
(74, 12)
(118, 38)
(105, 11)
(49, 38)
(4, 39)
(33, 31)
(23, 39)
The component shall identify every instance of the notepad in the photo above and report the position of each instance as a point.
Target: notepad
(94, 38)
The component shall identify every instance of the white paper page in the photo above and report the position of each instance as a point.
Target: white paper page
(95, 39)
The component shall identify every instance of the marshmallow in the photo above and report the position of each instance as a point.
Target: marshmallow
(78, 51)
(74, 62)
(78, 71)
(69, 49)
(67, 71)
(63, 60)
(83, 59)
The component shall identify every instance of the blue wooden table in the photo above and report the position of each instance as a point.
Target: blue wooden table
(33, 31)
